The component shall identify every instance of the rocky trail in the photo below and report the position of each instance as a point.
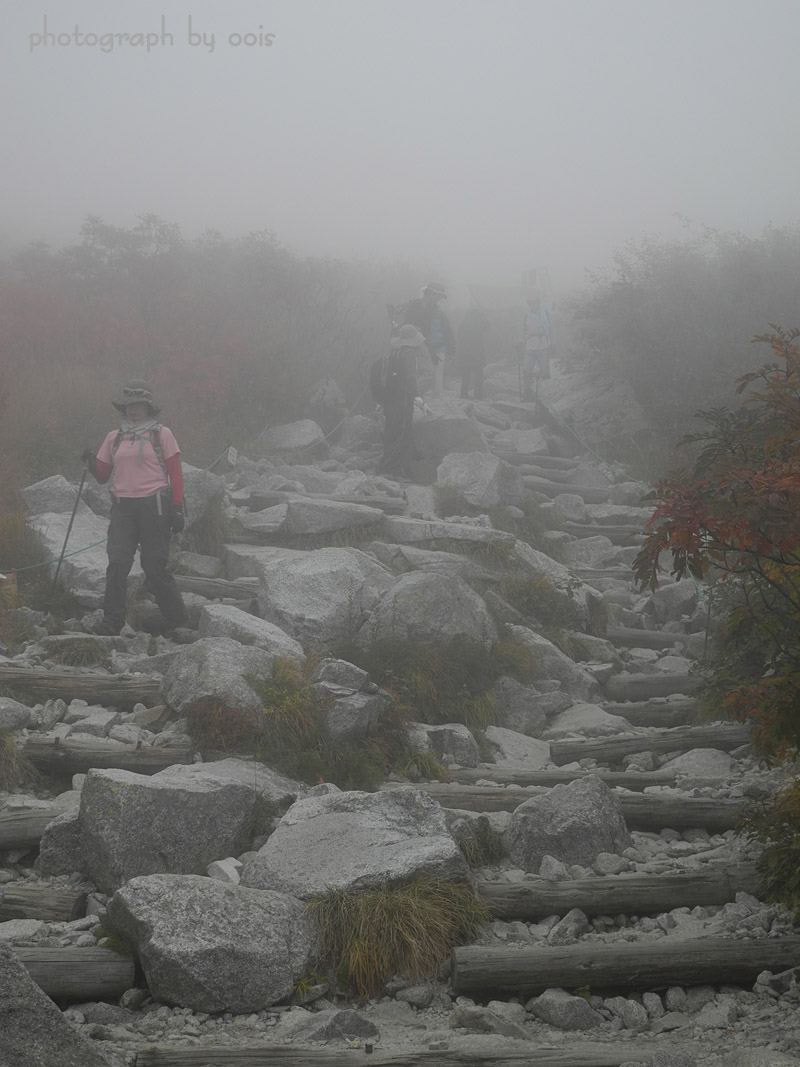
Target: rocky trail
(627, 925)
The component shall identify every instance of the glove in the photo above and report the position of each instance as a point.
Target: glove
(177, 520)
(90, 459)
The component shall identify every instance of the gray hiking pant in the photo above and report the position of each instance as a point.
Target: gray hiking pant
(136, 523)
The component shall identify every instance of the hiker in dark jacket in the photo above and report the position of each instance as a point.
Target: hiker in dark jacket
(399, 394)
(143, 461)
(472, 351)
(424, 313)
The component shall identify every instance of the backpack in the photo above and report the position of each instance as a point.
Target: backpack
(154, 434)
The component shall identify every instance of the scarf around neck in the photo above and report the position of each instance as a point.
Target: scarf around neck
(139, 431)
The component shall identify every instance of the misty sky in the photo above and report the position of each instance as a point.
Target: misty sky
(482, 137)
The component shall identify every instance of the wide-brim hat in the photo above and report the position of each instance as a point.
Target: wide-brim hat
(408, 336)
(436, 288)
(135, 391)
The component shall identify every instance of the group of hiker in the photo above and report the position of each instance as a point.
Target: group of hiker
(424, 344)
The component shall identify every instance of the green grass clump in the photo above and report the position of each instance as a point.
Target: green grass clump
(776, 824)
(535, 595)
(208, 534)
(80, 652)
(532, 528)
(484, 846)
(449, 501)
(14, 767)
(288, 733)
(369, 936)
(422, 766)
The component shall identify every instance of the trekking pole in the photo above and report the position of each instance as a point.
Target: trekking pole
(69, 531)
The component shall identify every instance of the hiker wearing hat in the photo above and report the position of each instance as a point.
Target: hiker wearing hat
(398, 404)
(538, 342)
(424, 313)
(143, 461)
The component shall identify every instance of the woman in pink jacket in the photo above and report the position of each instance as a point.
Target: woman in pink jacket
(143, 461)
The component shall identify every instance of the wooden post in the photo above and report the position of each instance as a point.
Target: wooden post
(78, 973)
(627, 894)
(621, 965)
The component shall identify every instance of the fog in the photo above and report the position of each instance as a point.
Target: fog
(481, 137)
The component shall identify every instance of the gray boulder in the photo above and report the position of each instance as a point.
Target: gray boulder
(598, 406)
(573, 823)
(61, 846)
(482, 479)
(304, 436)
(211, 946)
(306, 516)
(323, 597)
(15, 716)
(54, 494)
(674, 599)
(519, 705)
(580, 684)
(202, 491)
(262, 780)
(560, 1009)
(170, 823)
(33, 1031)
(226, 620)
(354, 840)
(334, 1023)
(351, 715)
(436, 437)
(587, 720)
(452, 743)
(702, 763)
(216, 668)
(426, 608)
(597, 551)
(516, 751)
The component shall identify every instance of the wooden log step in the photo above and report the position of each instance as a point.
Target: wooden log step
(630, 637)
(642, 811)
(721, 735)
(76, 755)
(620, 574)
(621, 965)
(218, 588)
(590, 494)
(45, 684)
(21, 901)
(627, 894)
(646, 686)
(391, 505)
(590, 1055)
(627, 779)
(666, 713)
(78, 973)
(23, 827)
(617, 535)
(554, 462)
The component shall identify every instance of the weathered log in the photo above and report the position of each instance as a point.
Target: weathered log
(216, 588)
(553, 462)
(78, 973)
(627, 779)
(621, 574)
(617, 535)
(642, 965)
(391, 505)
(590, 494)
(675, 712)
(630, 637)
(594, 1055)
(45, 684)
(627, 894)
(20, 901)
(721, 735)
(76, 755)
(23, 827)
(642, 811)
(645, 686)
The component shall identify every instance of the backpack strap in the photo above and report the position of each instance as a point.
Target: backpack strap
(154, 433)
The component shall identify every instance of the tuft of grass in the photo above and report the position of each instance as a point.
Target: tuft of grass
(532, 527)
(14, 767)
(422, 766)
(484, 846)
(535, 595)
(514, 657)
(449, 501)
(776, 824)
(80, 652)
(569, 643)
(369, 936)
(113, 941)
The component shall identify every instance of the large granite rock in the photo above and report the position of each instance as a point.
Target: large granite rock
(482, 479)
(33, 1031)
(84, 573)
(306, 516)
(202, 491)
(350, 716)
(54, 494)
(226, 620)
(598, 406)
(174, 822)
(304, 437)
(552, 663)
(451, 743)
(436, 437)
(213, 947)
(322, 597)
(516, 751)
(216, 668)
(425, 608)
(353, 841)
(573, 823)
(14, 715)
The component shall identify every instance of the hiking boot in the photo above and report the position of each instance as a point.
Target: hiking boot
(105, 628)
